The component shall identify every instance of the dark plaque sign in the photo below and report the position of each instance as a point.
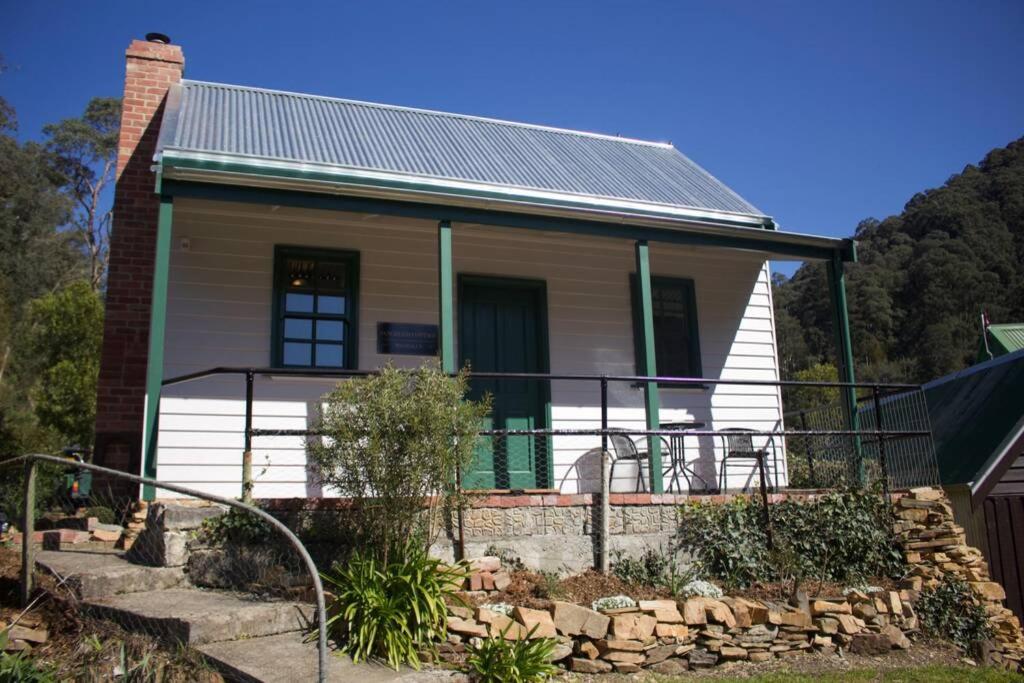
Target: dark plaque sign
(407, 339)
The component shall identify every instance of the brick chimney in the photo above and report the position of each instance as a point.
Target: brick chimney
(153, 65)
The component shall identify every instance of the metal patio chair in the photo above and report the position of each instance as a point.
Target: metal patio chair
(738, 444)
(623, 448)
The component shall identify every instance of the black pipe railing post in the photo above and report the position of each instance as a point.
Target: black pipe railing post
(604, 414)
(810, 452)
(606, 483)
(880, 435)
(250, 377)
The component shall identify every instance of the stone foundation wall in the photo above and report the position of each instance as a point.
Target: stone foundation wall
(549, 532)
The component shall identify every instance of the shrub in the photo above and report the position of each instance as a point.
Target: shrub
(391, 610)
(237, 527)
(549, 586)
(950, 610)
(613, 602)
(393, 444)
(496, 660)
(655, 567)
(701, 589)
(842, 537)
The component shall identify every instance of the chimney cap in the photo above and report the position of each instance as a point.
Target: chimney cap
(154, 37)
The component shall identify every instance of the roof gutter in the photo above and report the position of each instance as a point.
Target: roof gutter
(240, 170)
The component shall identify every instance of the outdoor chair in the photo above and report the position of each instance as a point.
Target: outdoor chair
(623, 448)
(738, 445)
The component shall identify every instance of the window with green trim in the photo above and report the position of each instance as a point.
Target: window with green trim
(315, 305)
(676, 338)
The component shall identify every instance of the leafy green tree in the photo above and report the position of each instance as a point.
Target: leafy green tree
(34, 257)
(65, 329)
(83, 152)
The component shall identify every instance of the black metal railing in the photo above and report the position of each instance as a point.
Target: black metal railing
(887, 440)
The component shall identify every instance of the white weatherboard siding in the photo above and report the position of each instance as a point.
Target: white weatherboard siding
(219, 314)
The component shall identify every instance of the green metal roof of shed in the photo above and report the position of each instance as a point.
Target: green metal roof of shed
(1006, 338)
(974, 414)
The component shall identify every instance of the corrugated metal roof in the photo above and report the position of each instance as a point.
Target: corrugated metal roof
(213, 119)
(1009, 336)
(972, 412)
(1001, 339)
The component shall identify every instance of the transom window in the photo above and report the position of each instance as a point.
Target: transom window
(676, 341)
(315, 308)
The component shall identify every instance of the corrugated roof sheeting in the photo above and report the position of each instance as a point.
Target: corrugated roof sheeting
(972, 412)
(1009, 336)
(224, 119)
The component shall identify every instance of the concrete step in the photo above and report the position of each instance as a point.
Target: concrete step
(291, 657)
(192, 616)
(102, 573)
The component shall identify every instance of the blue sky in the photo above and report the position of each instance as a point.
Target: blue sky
(820, 113)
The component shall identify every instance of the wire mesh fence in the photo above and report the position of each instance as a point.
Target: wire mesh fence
(185, 573)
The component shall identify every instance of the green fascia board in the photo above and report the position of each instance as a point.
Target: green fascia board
(745, 238)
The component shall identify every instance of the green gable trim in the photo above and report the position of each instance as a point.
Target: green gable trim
(769, 241)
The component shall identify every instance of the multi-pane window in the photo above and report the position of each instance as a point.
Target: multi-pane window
(315, 308)
(676, 343)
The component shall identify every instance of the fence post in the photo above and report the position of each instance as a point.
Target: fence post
(28, 528)
(764, 502)
(881, 440)
(810, 453)
(606, 484)
(247, 453)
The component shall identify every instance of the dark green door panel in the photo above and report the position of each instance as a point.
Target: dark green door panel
(502, 329)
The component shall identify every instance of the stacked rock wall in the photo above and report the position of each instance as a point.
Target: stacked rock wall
(669, 636)
(935, 545)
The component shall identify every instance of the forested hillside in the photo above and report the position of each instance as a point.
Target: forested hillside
(922, 280)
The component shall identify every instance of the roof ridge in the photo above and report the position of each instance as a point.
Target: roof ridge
(438, 113)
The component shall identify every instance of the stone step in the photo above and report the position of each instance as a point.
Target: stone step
(260, 659)
(96, 574)
(192, 616)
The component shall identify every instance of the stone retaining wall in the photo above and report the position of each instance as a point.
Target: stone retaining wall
(669, 637)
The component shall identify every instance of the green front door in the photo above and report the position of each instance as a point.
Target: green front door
(503, 328)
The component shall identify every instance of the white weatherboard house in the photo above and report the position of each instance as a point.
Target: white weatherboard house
(298, 232)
